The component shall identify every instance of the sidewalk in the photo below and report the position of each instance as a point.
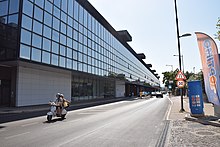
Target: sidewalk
(185, 130)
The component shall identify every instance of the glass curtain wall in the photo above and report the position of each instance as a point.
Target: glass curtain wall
(87, 88)
(9, 12)
(62, 33)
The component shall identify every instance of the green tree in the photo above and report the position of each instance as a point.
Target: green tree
(169, 79)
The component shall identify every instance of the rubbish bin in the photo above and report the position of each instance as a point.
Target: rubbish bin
(195, 98)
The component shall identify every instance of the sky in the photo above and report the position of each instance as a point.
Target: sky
(152, 25)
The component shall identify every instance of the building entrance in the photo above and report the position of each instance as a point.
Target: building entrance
(5, 88)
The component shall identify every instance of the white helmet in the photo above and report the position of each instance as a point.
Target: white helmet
(58, 95)
(61, 95)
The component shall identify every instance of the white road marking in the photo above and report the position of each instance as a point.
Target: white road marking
(169, 111)
(29, 124)
(17, 135)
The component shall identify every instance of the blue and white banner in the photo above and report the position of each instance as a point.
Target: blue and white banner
(210, 66)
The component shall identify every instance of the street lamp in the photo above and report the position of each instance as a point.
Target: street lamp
(178, 39)
(182, 60)
(185, 35)
(171, 66)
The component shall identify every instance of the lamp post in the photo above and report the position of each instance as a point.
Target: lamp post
(182, 60)
(179, 53)
(171, 66)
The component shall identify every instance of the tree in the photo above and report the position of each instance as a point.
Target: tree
(169, 79)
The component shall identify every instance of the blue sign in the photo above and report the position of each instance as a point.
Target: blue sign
(195, 97)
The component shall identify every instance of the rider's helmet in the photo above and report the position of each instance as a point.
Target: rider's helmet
(58, 95)
(61, 95)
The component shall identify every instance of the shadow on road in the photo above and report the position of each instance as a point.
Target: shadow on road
(54, 120)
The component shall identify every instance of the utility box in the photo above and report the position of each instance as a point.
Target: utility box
(195, 98)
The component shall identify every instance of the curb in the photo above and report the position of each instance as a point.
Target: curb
(203, 120)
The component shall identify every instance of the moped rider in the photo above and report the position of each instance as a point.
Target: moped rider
(64, 100)
(60, 103)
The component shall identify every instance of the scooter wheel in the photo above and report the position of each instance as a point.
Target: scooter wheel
(63, 116)
(49, 117)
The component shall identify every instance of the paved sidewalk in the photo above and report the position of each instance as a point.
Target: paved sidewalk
(185, 130)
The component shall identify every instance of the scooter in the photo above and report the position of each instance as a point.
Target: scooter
(53, 112)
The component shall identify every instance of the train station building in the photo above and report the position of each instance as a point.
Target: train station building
(66, 46)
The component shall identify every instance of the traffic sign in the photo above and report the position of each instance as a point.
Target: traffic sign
(180, 83)
(180, 76)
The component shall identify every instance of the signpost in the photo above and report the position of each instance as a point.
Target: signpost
(180, 77)
(180, 83)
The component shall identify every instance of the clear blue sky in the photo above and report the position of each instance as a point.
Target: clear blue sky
(152, 26)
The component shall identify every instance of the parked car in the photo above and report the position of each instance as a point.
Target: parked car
(159, 94)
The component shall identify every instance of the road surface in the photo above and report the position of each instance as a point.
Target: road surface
(130, 123)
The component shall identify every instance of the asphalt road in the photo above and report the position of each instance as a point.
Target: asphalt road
(131, 123)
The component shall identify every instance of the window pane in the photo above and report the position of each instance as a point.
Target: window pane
(76, 9)
(63, 17)
(26, 22)
(37, 27)
(56, 12)
(48, 6)
(57, 3)
(62, 39)
(36, 54)
(48, 19)
(62, 50)
(64, 5)
(70, 21)
(36, 41)
(55, 36)
(38, 14)
(13, 6)
(69, 32)
(13, 20)
(74, 64)
(75, 35)
(62, 62)
(55, 47)
(74, 55)
(28, 8)
(63, 28)
(54, 60)
(46, 57)
(80, 14)
(69, 42)
(4, 8)
(69, 53)
(47, 32)
(56, 24)
(46, 44)
(25, 36)
(40, 3)
(25, 52)
(70, 8)
(3, 20)
(69, 64)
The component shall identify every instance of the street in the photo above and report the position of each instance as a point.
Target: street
(135, 122)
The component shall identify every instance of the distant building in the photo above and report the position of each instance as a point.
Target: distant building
(65, 46)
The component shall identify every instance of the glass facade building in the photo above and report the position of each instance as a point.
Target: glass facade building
(69, 36)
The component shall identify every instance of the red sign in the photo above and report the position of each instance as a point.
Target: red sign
(180, 83)
(180, 76)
